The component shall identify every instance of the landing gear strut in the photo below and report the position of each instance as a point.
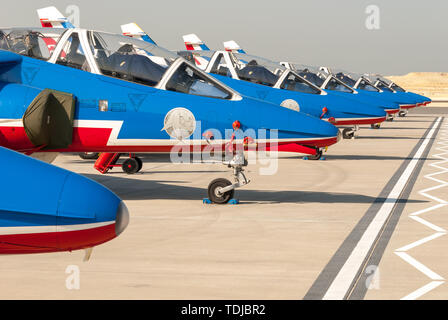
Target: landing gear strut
(221, 190)
(316, 156)
(349, 133)
(107, 160)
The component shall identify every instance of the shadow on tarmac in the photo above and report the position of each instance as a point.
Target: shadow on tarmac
(135, 189)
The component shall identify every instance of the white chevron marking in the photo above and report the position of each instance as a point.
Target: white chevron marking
(437, 280)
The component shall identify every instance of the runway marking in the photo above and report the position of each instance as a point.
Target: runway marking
(423, 290)
(348, 273)
(401, 252)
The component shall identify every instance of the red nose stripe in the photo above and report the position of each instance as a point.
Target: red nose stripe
(55, 241)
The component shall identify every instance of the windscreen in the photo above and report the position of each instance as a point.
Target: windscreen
(187, 79)
(312, 77)
(298, 84)
(220, 66)
(36, 43)
(397, 88)
(383, 86)
(346, 79)
(257, 69)
(367, 85)
(336, 85)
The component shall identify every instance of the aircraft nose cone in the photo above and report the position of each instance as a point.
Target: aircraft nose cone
(122, 219)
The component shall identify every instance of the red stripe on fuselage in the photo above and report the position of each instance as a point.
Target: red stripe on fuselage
(407, 106)
(55, 241)
(392, 111)
(359, 121)
(96, 139)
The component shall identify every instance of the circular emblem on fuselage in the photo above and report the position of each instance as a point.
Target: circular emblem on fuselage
(179, 123)
(290, 104)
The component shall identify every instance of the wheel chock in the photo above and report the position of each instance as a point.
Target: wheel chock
(323, 158)
(305, 158)
(231, 201)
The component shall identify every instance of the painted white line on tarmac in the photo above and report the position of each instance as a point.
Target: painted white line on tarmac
(421, 241)
(439, 230)
(423, 290)
(344, 279)
(419, 266)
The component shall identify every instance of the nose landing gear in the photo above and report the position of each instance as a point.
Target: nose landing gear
(221, 190)
(349, 133)
(316, 156)
(402, 113)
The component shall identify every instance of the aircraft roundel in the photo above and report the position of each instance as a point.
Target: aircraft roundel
(179, 123)
(290, 104)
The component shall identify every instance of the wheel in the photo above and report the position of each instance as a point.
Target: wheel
(348, 133)
(375, 126)
(213, 191)
(390, 118)
(130, 166)
(316, 156)
(140, 163)
(88, 155)
(402, 114)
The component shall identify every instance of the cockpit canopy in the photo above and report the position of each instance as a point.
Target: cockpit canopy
(34, 43)
(322, 78)
(114, 55)
(250, 68)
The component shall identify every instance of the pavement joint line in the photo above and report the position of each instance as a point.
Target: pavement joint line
(401, 252)
(342, 283)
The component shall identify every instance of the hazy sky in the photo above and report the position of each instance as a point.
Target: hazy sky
(412, 34)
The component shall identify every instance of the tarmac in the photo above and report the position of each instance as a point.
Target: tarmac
(366, 223)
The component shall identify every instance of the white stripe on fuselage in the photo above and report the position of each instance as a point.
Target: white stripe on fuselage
(116, 125)
(53, 228)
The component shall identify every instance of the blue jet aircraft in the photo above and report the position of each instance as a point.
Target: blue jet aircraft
(77, 90)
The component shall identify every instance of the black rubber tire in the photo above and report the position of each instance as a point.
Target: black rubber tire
(375, 126)
(402, 114)
(88, 155)
(316, 156)
(130, 166)
(346, 134)
(219, 183)
(140, 163)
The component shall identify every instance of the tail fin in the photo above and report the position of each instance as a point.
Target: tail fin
(134, 31)
(192, 42)
(232, 46)
(50, 17)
